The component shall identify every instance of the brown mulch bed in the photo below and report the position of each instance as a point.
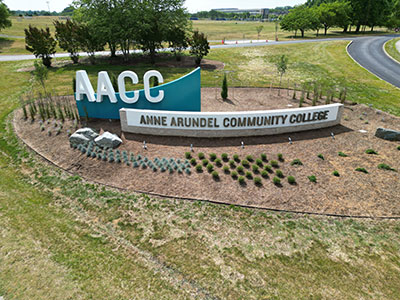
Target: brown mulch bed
(353, 193)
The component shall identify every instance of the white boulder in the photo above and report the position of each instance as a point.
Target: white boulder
(108, 140)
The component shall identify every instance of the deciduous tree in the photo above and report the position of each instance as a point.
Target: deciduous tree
(199, 46)
(41, 43)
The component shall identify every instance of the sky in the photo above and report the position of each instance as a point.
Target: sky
(192, 5)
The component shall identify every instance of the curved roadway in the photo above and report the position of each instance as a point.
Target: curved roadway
(366, 51)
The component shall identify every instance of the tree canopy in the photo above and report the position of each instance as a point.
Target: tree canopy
(4, 16)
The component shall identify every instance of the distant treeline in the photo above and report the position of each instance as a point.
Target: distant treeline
(215, 15)
(68, 11)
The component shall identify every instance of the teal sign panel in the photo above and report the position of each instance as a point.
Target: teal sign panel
(183, 94)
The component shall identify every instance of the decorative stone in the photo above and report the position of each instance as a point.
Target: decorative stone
(77, 139)
(87, 132)
(388, 134)
(108, 140)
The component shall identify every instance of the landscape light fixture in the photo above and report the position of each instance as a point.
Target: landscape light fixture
(332, 135)
(191, 147)
(242, 144)
(144, 145)
(290, 141)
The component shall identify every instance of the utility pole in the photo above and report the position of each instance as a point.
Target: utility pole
(48, 5)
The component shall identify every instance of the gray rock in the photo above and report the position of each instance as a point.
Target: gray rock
(108, 140)
(78, 138)
(388, 134)
(87, 132)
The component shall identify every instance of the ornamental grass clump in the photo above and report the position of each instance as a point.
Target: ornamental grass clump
(291, 180)
(237, 159)
(341, 154)
(199, 168)
(224, 157)
(371, 151)
(234, 174)
(264, 174)
(188, 171)
(240, 169)
(257, 181)
(245, 163)
(193, 162)
(241, 180)
(201, 155)
(263, 156)
(321, 156)
(255, 169)
(204, 162)
(296, 162)
(398, 148)
(268, 168)
(213, 156)
(215, 175)
(279, 173)
(250, 158)
(362, 170)
(249, 175)
(336, 173)
(210, 168)
(232, 164)
(280, 157)
(274, 163)
(312, 178)
(386, 167)
(259, 162)
(276, 181)
(226, 169)
(188, 155)
(218, 162)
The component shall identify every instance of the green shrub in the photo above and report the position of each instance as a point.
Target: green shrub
(241, 180)
(240, 169)
(234, 174)
(274, 163)
(224, 89)
(279, 173)
(255, 168)
(291, 180)
(199, 168)
(201, 155)
(188, 155)
(276, 181)
(263, 156)
(215, 175)
(312, 178)
(280, 157)
(204, 162)
(193, 162)
(249, 175)
(340, 153)
(265, 174)
(245, 163)
(362, 170)
(321, 156)
(213, 156)
(257, 180)
(250, 158)
(268, 168)
(232, 164)
(371, 151)
(259, 162)
(218, 162)
(224, 156)
(296, 162)
(226, 169)
(236, 158)
(188, 171)
(336, 173)
(210, 168)
(386, 167)
(398, 147)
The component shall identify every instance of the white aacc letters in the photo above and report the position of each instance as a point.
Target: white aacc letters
(105, 87)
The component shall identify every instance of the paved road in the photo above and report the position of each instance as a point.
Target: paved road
(369, 53)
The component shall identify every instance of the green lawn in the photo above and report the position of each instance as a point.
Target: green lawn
(64, 238)
(391, 49)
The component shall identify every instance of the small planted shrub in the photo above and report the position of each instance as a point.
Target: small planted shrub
(263, 156)
(268, 168)
(188, 155)
(187, 171)
(296, 162)
(276, 181)
(250, 158)
(249, 175)
(259, 162)
(215, 175)
(255, 168)
(193, 162)
(280, 157)
(199, 168)
(371, 151)
(236, 158)
(224, 156)
(245, 163)
(232, 164)
(336, 173)
(201, 155)
(341, 154)
(234, 174)
(226, 169)
(279, 173)
(386, 167)
(210, 168)
(240, 169)
(264, 174)
(257, 181)
(312, 178)
(241, 180)
(291, 180)
(398, 148)
(204, 162)
(274, 164)
(362, 170)
(213, 156)
(218, 162)
(321, 156)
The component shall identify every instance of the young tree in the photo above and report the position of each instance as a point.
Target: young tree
(89, 41)
(199, 46)
(178, 42)
(40, 73)
(259, 29)
(67, 35)
(40, 43)
(224, 90)
(4, 16)
(299, 18)
(281, 66)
